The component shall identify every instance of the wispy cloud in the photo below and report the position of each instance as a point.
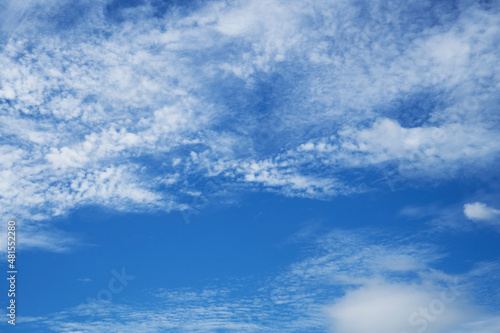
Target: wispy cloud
(348, 282)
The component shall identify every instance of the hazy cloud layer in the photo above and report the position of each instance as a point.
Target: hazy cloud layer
(349, 282)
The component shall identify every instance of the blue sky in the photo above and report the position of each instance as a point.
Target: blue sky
(252, 166)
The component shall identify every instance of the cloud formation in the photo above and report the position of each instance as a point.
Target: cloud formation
(349, 281)
(381, 307)
(478, 211)
(142, 107)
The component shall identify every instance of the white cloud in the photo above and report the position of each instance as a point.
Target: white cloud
(391, 307)
(288, 180)
(344, 283)
(125, 102)
(437, 151)
(479, 211)
(41, 237)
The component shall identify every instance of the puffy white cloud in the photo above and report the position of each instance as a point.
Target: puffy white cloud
(479, 211)
(427, 147)
(429, 151)
(391, 307)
